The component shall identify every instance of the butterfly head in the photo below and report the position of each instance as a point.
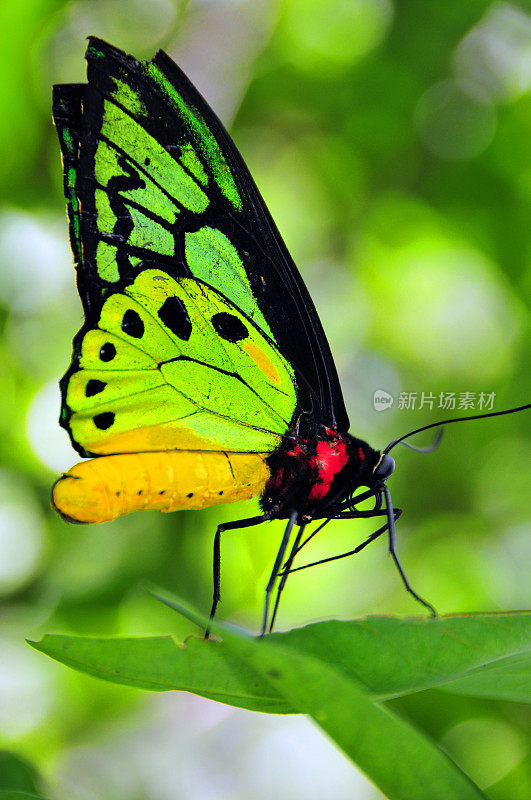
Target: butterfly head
(384, 468)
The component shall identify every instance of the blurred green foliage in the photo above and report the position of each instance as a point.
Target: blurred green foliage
(391, 143)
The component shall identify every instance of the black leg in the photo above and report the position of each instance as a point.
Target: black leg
(349, 505)
(397, 512)
(226, 526)
(310, 537)
(276, 567)
(392, 550)
(285, 572)
(347, 512)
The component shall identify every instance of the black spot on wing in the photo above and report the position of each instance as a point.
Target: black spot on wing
(132, 324)
(229, 327)
(104, 421)
(94, 387)
(107, 351)
(174, 315)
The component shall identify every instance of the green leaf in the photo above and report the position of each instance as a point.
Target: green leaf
(389, 656)
(159, 664)
(394, 656)
(506, 679)
(336, 672)
(403, 762)
(298, 672)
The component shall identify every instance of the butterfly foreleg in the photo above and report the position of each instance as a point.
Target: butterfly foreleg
(350, 505)
(391, 516)
(216, 567)
(354, 515)
(345, 510)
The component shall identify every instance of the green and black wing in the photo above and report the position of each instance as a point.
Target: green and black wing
(196, 315)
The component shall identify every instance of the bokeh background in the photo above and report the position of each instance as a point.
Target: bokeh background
(391, 141)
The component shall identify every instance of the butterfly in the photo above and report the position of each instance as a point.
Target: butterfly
(202, 374)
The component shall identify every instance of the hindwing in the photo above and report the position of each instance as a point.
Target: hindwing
(173, 364)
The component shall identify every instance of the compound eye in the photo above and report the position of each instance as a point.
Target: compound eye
(385, 467)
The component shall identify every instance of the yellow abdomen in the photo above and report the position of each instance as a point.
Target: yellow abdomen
(104, 488)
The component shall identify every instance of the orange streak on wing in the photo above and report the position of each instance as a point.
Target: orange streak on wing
(262, 361)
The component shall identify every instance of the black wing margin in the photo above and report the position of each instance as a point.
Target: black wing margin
(235, 207)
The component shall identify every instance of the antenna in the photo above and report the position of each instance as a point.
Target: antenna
(448, 421)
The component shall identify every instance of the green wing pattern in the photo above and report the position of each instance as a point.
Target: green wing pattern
(149, 170)
(175, 365)
(175, 352)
